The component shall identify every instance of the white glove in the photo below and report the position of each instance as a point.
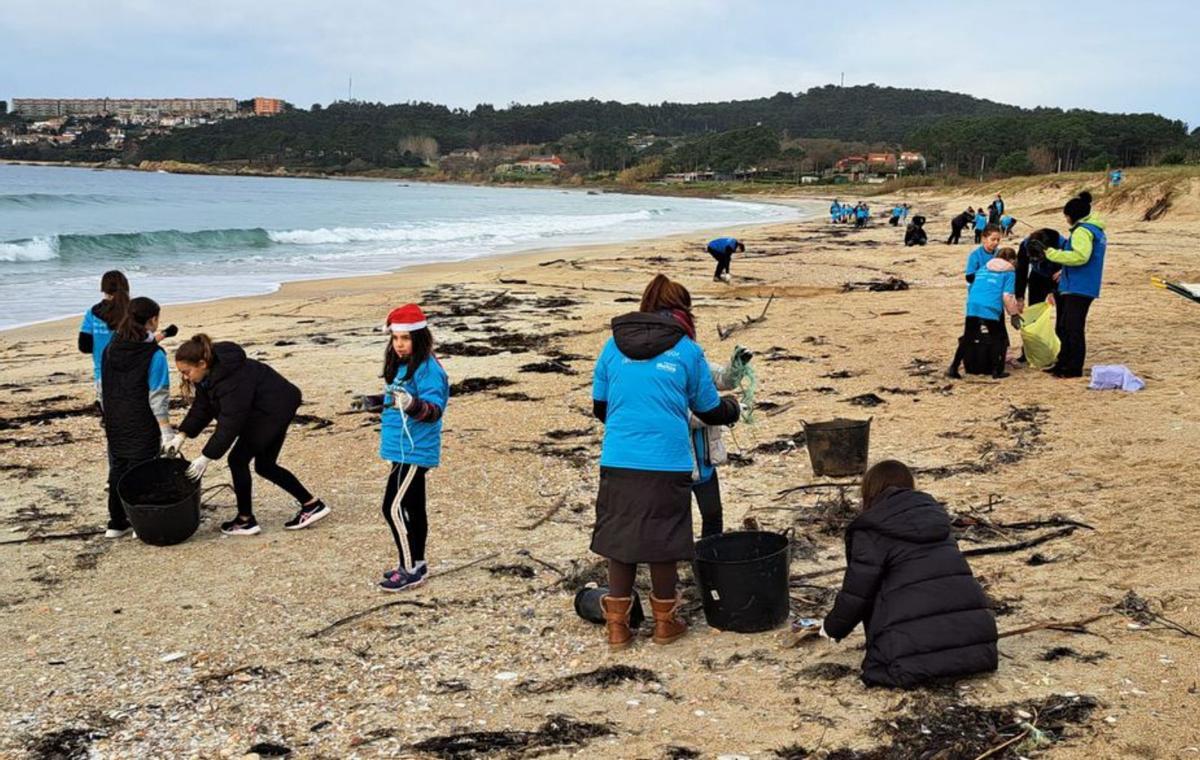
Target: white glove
(171, 444)
(402, 400)
(195, 471)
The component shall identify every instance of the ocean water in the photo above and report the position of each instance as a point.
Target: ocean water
(189, 238)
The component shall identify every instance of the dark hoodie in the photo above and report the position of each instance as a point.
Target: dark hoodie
(130, 425)
(924, 613)
(246, 397)
(647, 380)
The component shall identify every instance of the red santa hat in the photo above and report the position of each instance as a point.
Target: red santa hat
(406, 318)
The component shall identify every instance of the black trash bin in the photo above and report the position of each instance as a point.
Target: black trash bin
(743, 579)
(161, 501)
(838, 447)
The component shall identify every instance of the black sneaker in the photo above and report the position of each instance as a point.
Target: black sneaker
(307, 516)
(241, 527)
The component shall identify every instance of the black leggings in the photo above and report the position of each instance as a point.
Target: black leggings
(708, 499)
(723, 260)
(264, 456)
(955, 233)
(404, 510)
(1070, 327)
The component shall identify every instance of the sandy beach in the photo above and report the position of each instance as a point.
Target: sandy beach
(220, 645)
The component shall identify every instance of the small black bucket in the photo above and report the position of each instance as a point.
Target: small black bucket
(161, 501)
(587, 606)
(838, 447)
(743, 580)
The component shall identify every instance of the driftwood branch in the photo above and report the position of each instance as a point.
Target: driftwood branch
(53, 537)
(997, 549)
(1075, 626)
(1029, 544)
(362, 614)
(725, 332)
(554, 509)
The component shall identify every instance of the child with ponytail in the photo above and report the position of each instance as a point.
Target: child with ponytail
(102, 320)
(135, 396)
(415, 397)
(253, 406)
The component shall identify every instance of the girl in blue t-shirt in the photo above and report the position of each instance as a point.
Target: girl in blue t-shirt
(990, 294)
(415, 396)
(101, 321)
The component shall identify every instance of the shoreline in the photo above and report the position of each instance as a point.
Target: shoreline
(375, 280)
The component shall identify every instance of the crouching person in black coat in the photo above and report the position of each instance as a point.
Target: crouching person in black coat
(253, 406)
(925, 615)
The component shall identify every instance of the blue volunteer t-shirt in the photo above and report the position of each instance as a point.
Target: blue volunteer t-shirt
(976, 261)
(101, 336)
(648, 404)
(985, 297)
(980, 221)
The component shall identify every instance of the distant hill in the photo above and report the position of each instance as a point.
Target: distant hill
(954, 128)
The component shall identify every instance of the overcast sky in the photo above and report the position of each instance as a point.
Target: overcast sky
(1105, 55)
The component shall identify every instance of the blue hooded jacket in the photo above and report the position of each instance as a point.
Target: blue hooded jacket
(723, 245)
(422, 444)
(649, 376)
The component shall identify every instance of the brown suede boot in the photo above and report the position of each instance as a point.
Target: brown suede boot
(616, 620)
(668, 626)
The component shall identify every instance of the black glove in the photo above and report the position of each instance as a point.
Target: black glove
(1036, 249)
(1017, 321)
(170, 331)
(743, 354)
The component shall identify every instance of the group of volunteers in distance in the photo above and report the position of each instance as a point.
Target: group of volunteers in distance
(658, 396)
(1046, 266)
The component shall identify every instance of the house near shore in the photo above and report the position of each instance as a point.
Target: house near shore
(539, 164)
(881, 163)
(462, 154)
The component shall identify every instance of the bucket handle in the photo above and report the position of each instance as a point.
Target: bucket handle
(789, 533)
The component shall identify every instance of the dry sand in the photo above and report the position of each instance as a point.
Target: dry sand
(207, 649)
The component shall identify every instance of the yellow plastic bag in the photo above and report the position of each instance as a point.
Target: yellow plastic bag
(1038, 336)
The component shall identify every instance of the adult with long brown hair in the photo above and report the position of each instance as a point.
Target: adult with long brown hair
(650, 375)
(136, 393)
(253, 406)
(906, 581)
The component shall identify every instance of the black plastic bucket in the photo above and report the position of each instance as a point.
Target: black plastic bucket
(161, 501)
(743, 579)
(838, 447)
(587, 606)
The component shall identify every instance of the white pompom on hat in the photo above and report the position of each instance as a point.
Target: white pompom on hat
(406, 318)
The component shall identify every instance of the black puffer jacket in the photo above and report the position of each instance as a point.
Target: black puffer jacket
(129, 423)
(925, 615)
(246, 397)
